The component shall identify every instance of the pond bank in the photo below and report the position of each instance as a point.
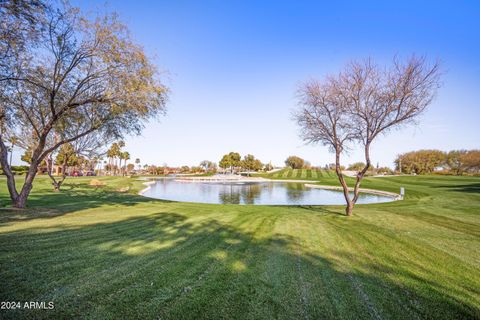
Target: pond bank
(396, 196)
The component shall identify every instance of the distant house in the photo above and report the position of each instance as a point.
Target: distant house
(56, 170)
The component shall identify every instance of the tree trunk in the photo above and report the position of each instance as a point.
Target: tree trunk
(349, 209)
(56, 184)
(7, 171)
(21, 200)
(361, 174)
(338, 171)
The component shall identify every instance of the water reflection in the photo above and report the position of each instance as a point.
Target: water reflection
(251, 192)
(295, 192)
(266, 193)
(229, 195)
(245, 193)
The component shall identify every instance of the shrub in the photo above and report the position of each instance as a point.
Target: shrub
(295, 162)
(384, 170)
(357, 166)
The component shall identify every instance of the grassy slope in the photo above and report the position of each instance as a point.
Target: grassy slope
(101, 254)
(299, 174)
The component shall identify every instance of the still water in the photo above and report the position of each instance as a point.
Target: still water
(262, 193)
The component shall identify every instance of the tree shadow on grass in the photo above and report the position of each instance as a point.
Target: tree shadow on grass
(469, 188)
(323, 210)
(168, 265)
(49, 204)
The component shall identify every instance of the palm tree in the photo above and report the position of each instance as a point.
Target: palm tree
(113, 153)
(120, 158)
(125, 157)
(121, 144)
(110, 155)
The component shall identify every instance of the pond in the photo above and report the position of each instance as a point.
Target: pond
(259, 193)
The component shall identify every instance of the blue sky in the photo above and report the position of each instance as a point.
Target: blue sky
(233, 68)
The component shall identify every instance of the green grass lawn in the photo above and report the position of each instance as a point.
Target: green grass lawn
(300, 174)
(97, 253)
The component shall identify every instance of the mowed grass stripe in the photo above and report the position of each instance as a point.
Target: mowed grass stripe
(309, 174)
(193, 277)
(112, 271)
(298, 173)
(303, 173)
(332, 286)
(119, 279)
(369, 254)
(373, 297)
(231, 265)
(289, 173)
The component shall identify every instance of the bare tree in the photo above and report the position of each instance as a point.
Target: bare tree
(380, 100)
(323, 118)
(81, 76)
(369, 101)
